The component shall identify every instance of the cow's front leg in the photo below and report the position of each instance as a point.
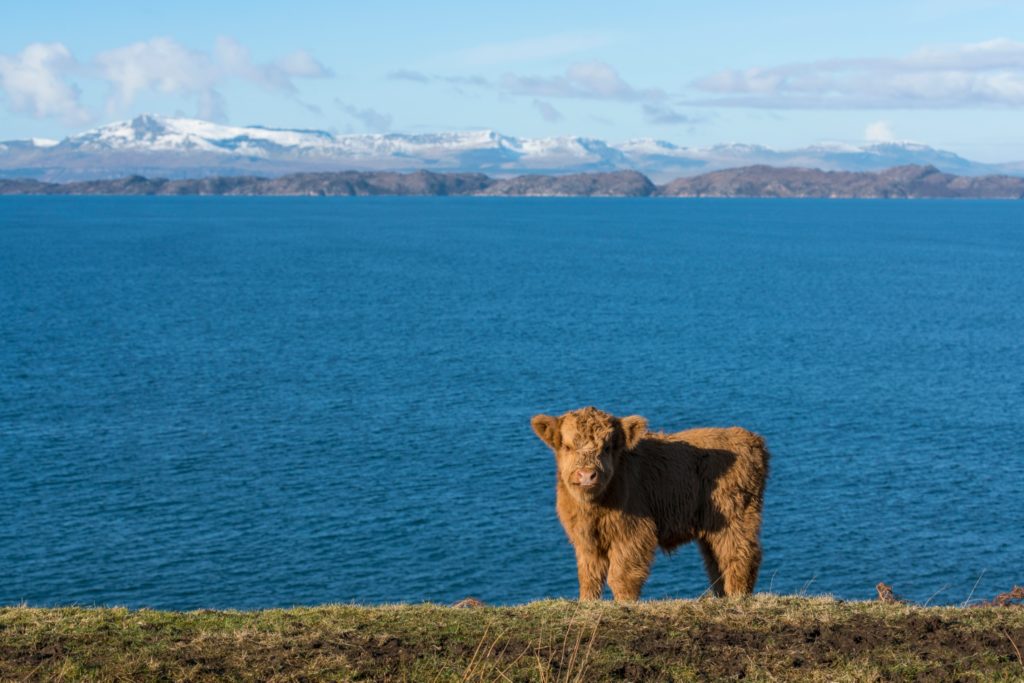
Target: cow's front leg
(630, 564)
(592, 569)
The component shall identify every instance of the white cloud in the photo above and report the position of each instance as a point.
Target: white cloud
(600, 80)
(34, 82)
(159, 64)
(585, 80)
(164, 65)
(37, 80)
(301, 64)
(879, 131)
(235, 61)
(985, 74)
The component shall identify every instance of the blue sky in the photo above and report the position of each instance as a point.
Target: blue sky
(949, 73)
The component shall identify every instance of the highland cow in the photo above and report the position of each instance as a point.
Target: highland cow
(623, 492)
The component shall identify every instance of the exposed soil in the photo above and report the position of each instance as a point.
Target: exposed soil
(636, 644)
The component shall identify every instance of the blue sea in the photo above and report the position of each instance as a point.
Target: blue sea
(258, 402)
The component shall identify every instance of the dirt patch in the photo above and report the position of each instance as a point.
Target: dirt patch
(715, 641)
(940, 647)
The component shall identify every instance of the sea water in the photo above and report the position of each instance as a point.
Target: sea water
(256, 402)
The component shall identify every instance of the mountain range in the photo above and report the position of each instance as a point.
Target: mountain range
(178, 148)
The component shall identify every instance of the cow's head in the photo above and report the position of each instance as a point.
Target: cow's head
(589, 445)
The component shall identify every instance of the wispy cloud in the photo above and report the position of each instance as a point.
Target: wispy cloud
(547, 111)
(665, 115)
(373, 120)
(983, 74)
(409, 75)
(413, 76)
(34, 82)
(587, 80)
(584, 80)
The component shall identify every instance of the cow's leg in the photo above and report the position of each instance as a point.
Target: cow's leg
(741, 572)
(715, 578)
(630, 565)
(739, 557)
(592, 570)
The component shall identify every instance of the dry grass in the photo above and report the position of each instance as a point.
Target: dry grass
(489, 663)
(1008, 598)
(763, 637)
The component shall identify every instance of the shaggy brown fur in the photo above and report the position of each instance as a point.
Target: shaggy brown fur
(623, 492)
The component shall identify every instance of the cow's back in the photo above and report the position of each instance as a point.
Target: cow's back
(734, 466)
(696, 480)
(748, 448)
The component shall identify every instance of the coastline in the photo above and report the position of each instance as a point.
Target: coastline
(754, 182)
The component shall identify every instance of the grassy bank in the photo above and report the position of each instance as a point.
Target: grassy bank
(760, 638)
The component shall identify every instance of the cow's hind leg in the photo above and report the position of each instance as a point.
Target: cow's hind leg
(741, 577)
(715, 578)
(739, 559)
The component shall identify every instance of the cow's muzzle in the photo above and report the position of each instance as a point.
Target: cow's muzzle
(586, 477)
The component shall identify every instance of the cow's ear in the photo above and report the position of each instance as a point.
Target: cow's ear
(547, 428)
(633, 428)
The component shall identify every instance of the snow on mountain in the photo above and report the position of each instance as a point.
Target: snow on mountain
(159, 146)
(148, 133)
(155, 133)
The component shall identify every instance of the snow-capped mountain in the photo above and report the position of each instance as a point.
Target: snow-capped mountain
(148, 133)
(159, 146)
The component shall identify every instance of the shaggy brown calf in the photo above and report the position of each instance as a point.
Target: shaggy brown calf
(623, 492)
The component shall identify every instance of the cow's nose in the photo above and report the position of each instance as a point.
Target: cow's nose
(586, 477)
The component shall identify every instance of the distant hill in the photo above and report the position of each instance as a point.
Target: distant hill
(180, 148)
(903, 182)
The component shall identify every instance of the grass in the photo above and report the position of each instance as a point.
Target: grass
(762, 638)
